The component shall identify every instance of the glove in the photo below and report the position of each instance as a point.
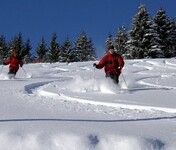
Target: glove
(95, 65)
(21, 65)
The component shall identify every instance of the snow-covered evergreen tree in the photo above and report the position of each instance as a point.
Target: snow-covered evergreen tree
(120, 40)
(172, 37)
(161, 21)
(79, 47)
(3, 49)
(109, 42)
(143, 40)
(27, 51)
(137, 43)
(42, 50)
(91, 53)
(66, 54)
(154, 47)
(83, 48)
(18, 44)
(54, 49)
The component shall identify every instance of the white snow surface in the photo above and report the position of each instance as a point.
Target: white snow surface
(63, 106)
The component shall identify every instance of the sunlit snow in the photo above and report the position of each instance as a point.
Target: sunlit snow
(63, 106)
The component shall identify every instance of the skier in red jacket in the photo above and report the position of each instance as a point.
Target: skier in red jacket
(112, 63)
(14, 61)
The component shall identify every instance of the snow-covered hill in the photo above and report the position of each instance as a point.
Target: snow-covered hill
(74, 107)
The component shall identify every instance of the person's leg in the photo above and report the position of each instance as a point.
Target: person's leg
(114, 77)
(12, 73)
(109, 75)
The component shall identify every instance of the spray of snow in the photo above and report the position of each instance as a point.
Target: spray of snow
(105, 85)
(4, 76)
(82, 85)
(29, 75)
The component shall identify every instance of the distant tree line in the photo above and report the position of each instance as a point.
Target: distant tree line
(82, 50)
(17, 43)
(149, 37)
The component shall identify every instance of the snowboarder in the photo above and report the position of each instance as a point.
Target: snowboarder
(15, 61)
(112, 63)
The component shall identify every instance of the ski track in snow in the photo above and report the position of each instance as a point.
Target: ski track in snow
(57, 79)
(61, 87)
(60, 81)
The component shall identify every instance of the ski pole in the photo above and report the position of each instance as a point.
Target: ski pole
(93, 79)
(27, 74)
(24, 70)
(1, 69)
(94, 74)
(124, 80)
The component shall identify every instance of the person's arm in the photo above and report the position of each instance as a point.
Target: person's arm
(7, 61)
(102, 63)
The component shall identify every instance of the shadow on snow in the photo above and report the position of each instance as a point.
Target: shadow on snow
(87, 120)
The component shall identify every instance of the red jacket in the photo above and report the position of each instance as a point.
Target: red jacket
(14, 62)
(112, 63)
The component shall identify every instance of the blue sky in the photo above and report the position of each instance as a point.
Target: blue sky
(41, 18)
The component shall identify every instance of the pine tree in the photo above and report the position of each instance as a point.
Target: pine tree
(17, 44)
(109, 41)
(154, 47)
(172, 37)
(83, 48)
(79, 47)
(161, 21)
(91, 52)
(41, 51)
(120, 40)
(27, 51)
(66, 51)
(24, 49)
(142, 41)
(137, 33)
(3, 49)
(54, 49)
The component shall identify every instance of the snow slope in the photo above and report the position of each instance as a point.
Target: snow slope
(64, 106)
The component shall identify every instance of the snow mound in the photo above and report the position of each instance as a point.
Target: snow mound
(65, 141)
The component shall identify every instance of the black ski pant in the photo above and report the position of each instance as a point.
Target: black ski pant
(12, 71)
(114, 77)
